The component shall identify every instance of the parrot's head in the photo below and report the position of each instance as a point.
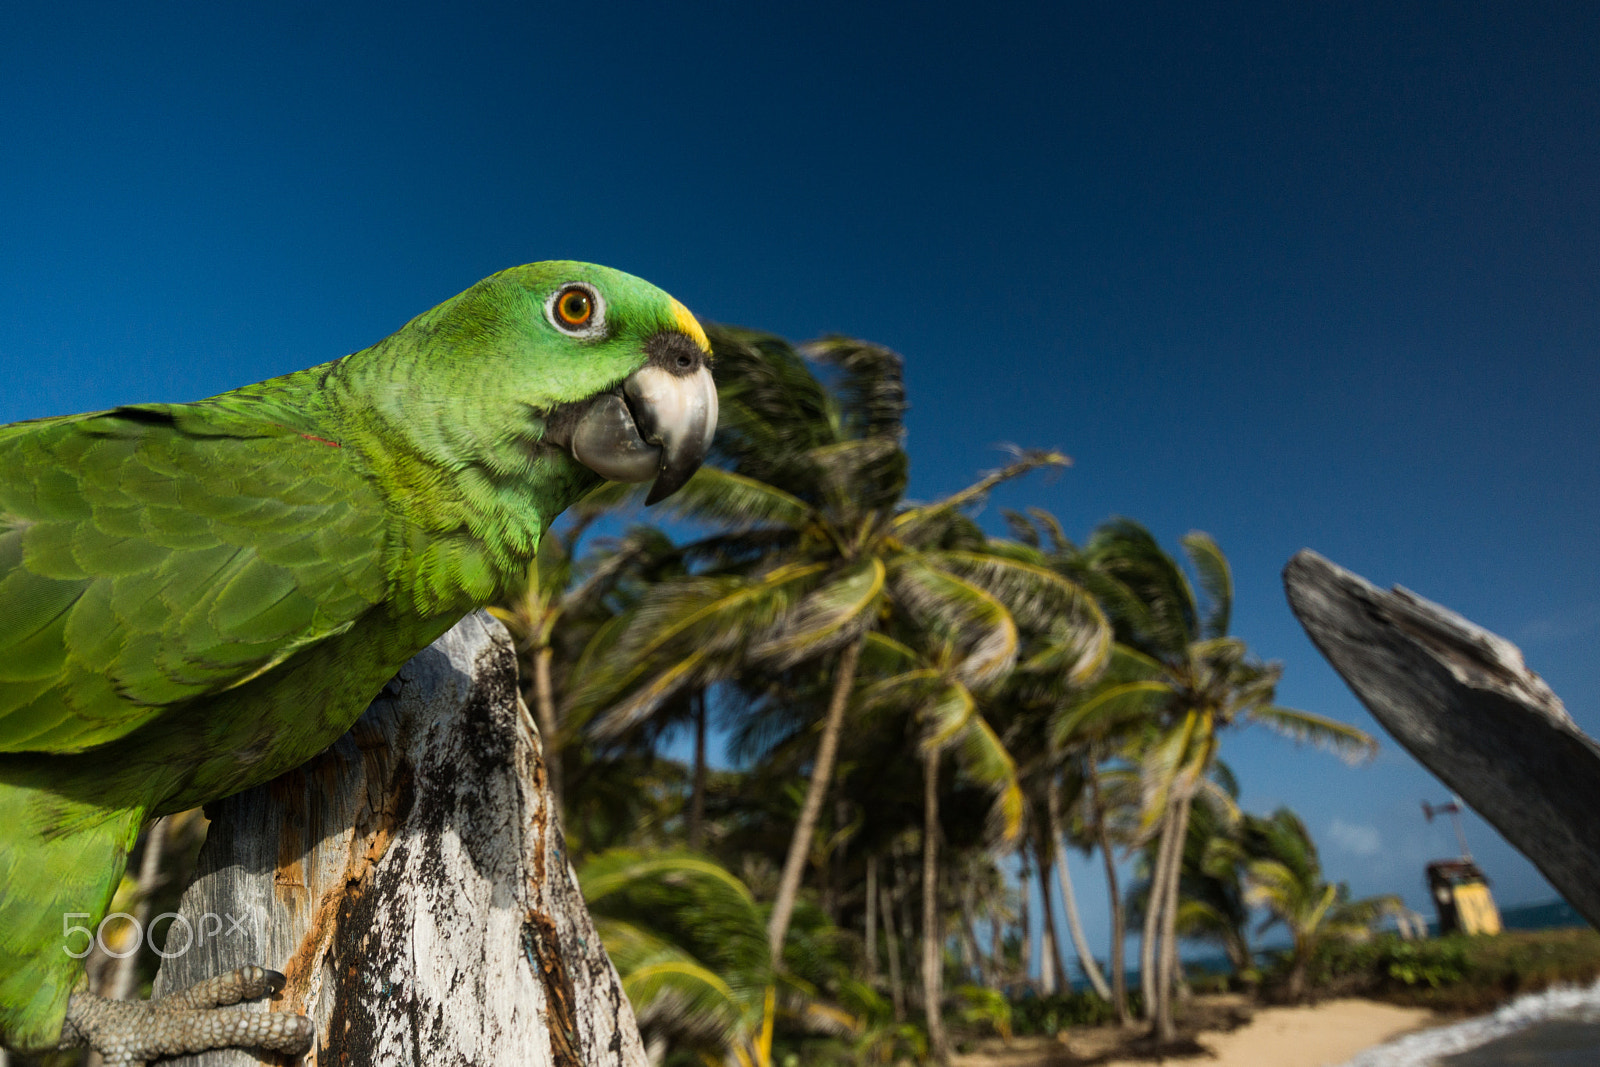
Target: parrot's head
(572, 361)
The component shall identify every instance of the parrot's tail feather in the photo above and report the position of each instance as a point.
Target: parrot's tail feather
(61, 861)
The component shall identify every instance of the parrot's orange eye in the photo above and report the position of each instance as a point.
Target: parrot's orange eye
(578, 310)
(575, 307)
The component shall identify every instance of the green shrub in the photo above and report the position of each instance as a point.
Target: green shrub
(983, 1008)
(1434, 963)
(1457, 973)
(1048, 1015)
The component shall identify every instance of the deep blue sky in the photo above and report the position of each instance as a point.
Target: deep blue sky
(1297, 275)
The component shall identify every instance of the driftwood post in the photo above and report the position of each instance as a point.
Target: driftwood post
(411, 884)
(1461, 700)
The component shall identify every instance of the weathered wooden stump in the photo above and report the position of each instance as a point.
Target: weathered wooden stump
(1463, 702)
(411, 883)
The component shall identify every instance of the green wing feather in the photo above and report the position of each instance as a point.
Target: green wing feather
(154, 554)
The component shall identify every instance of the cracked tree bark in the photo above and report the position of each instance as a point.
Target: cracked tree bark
(1463, 702)
(411, 884)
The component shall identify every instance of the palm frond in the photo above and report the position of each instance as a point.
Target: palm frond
(1223, 804)
(949, 605)
(1021, 527)
(669, 988)
(773, 409)
(643, 700)
(1216, 581)
(871, 386)
(902, 691)
(1107, 710)
(1039, 597)
(986, 761)
(1199, 919)
(615, 871)
(1273, 886)
(1225, 651)
(860, 474)
(612, 496)
(1163, 766)
(736, 502)
(882, 654)
(913, 524)
(945, 714)
(709, 618)
(827, 616)
(1349, 743)
(1061, 546)
(1222, 774)
(1167, 617)
(1128, 664)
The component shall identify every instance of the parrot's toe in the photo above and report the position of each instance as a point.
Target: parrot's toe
(246, 983)
(130, 1032)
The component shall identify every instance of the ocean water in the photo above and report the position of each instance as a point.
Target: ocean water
(1557, 1028)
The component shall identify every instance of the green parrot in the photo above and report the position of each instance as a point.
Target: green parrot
(195, 598)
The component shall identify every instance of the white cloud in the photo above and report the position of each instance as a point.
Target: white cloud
(1360, 840)
(1560, 625)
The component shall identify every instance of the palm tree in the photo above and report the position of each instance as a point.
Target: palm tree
(1211, 880)
(817, 548)
(938, 687)
(1177, 670)
(689, 943)
(1073, 786)
(621, 797)
(1056, 664)
(1096, 814)
(1044, 694)
(1286, 879)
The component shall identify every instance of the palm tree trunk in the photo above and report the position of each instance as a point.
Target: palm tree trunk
(833, 872)
(1155, 902)
(821, 774)
(980, 963)
(969, 929)
(1179, 982)
(1147, 939)
(549, 728)
(1297, 971)
(697, 797)
(964, 945)
(997, 959)
(1238, 958)
(872, 919)
(1119, 929)
(1167, 967)
(1024, 920)
(912, 960)
(1069, 902)
(932, 943)
(891, 944)
(1052, 969)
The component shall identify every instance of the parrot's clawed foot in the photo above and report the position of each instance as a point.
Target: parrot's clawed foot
(196, 1019)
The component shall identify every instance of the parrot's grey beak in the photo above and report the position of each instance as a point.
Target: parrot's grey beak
(658, 425)
(679, 415)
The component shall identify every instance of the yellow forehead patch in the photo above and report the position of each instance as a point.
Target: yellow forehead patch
(687, 324)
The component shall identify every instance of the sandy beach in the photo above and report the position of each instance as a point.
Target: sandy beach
(1327, 1034)
(1323, 1035)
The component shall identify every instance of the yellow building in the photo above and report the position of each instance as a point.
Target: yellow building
(1461, 895)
